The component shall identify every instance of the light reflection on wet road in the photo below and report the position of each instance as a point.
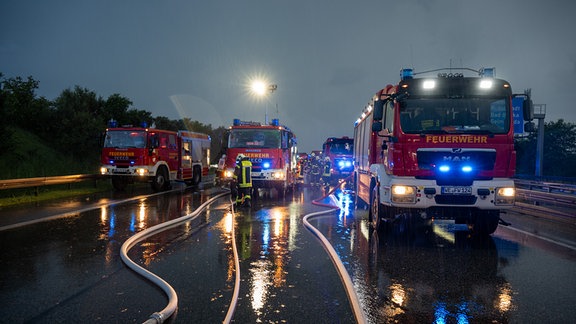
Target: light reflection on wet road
(69, 270)
(437, 273)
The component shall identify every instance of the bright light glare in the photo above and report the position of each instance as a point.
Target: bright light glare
(444, 168)
(486, 84)
(466, 168)
(428, 84)
(400, 190)
(258, 87)
(506, 192)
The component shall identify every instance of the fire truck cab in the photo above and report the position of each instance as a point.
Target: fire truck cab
(438, 147)
(141, 154)
(339, 151)
(271, 149)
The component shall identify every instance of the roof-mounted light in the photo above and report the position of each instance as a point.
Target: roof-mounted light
(485, 84)
(406, 74)
(428, 84)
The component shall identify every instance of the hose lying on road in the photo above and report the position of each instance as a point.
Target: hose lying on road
(347, 281)
(161, 316)
(232, 307)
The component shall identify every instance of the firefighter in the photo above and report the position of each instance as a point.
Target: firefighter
(315, 170)
(243, 180)
(326, 171)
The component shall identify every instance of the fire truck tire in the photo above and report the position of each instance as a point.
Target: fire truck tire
(196, 176)
(376, 212)
(486, 222)
(161, 181)
(119, 183)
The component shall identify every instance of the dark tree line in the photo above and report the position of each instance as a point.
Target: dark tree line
(559, 158)
(74, 122)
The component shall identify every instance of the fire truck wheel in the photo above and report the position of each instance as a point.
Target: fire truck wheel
(375, 213)
(486, 222)
(196, 177)
(160, 181)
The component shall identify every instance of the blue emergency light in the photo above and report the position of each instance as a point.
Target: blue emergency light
(406, 74)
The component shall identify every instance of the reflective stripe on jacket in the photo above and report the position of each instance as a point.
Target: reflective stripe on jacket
(242, 174)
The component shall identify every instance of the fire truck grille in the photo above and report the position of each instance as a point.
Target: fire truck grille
(455, 200)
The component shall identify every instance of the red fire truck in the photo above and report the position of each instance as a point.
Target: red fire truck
(438, 147)
(340, 152)
(157, 156)
(271, 149)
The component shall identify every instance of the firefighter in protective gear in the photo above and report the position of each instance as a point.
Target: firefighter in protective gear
(316, 171)
(243, 180)
(326, 171)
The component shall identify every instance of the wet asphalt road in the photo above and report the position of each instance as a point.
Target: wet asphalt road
(68, 270)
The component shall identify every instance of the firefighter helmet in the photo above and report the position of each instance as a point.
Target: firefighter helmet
(239, 157)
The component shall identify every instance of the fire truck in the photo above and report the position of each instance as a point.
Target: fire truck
(438, 147)
(340, 152)
(141, 154)
(271, 149)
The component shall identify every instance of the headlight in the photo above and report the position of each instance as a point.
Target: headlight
(505, 196)
(228, 174)
(278, 175)
(403, 194)
(141, 171)
(103, 170)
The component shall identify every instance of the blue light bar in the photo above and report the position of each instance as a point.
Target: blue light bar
(406, 74)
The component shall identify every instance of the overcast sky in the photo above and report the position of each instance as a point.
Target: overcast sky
(195, 59)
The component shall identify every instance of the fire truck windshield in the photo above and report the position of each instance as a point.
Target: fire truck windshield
(468, 115)
(254, 138)
(125, 139)
(342, 146)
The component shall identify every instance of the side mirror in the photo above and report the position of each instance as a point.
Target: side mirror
(376, 126)
(528, 109)
(378, 110)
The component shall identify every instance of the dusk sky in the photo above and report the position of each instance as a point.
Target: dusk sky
(195, 59)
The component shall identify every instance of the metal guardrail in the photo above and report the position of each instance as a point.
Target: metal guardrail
(45, 181)
(546, 200)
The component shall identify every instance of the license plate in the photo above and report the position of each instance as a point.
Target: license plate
(457, 190)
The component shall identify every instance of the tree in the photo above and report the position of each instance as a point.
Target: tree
(116, 107)
(559, 150)
(21, 107)
(80, 123)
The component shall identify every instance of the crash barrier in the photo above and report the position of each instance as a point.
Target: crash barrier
(46, 181)
(555, 201)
